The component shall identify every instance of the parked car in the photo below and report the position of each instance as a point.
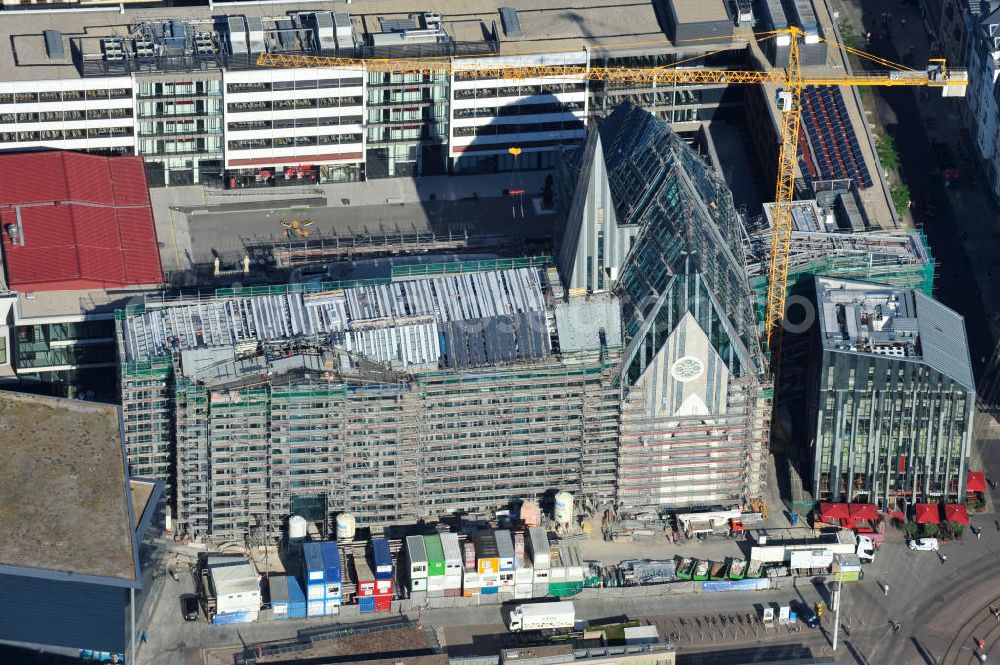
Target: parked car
(807, 615)
(189, 607)
(924, 545)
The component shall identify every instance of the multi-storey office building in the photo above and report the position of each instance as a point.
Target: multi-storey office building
(184, 92)
(893, 395)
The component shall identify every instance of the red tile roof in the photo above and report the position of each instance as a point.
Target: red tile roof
(86, 222)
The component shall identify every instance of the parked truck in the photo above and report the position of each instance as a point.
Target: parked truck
(541, 616)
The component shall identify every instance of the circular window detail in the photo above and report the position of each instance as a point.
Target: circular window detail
(687, 369)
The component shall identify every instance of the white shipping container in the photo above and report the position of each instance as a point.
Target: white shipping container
(452, 554)
(416, 554)
(435, 583)
(541, 576)
(505, 549)
(524, 575)
(315, 608)
(453, 581)
(315, 592)
(574, 574)
(538, 544)
(557, 574)
(523, 591)
(332, 608)
(471, 580)
(489, 580)
(419, 584)
(237, 588)
(507, 579)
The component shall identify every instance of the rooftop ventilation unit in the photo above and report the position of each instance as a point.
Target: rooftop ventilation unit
(145, 47)
(325, 40)
(175, 38)
(509, 21)
(344, 29)
(255, 28)
(203, 43)
(237, 30)
(53, 44)
(431, 20)
(113, 49)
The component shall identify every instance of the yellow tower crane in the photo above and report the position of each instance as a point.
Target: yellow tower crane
(791, 81)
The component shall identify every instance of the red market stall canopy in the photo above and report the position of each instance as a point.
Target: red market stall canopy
(926, 513)
(848, 523)
(976, 482)
(833, 512)
(864, 511)
(955, 512)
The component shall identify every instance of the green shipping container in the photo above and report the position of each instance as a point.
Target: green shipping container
(563, 589)
(435, 555)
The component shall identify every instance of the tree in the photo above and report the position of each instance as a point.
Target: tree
(930, 530)
(911, 530)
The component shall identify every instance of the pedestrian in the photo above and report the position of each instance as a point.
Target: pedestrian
(885, 589)
(896, 626)
(982, 658)
(944, 557)
(903, 21)
(979, 534)
(143, 638)
(981, 643)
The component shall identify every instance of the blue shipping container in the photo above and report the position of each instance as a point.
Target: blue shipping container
(279, 595)
(296, 599)
(314, 562)
(383, 559)
(366, 603)
(331, 562)
(487, 590)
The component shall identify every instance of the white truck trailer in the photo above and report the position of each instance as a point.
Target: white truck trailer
(542, 616)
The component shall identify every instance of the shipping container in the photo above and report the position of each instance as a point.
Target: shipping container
(541, 576)
(363, 577)
(366, 604)
(489, 590)
(487, 557)
(383, 603)
(418, 584)
(452, 554)
(382, 558)
(557, 574)
(436, 583)
(331, 608)
(416, 556)
(522, 591)
(539, 590)
(505, 549)
(471, 584)
(453, 581)
(519, 550)
(524, 575)
(296, 599)
(489, 580)
(469, 556)
(452, 592)
(315, 608)
(333, 572)
(315, 592)
(435, 556)
(506, 579)
(538, 548)
(383, 587)
(278, 586)
(313, 557)
(236, 588)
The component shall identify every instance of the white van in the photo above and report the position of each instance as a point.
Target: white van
(924, 545)
(866, 549)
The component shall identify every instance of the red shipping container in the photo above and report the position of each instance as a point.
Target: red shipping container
(383, 603)
(383, 587)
